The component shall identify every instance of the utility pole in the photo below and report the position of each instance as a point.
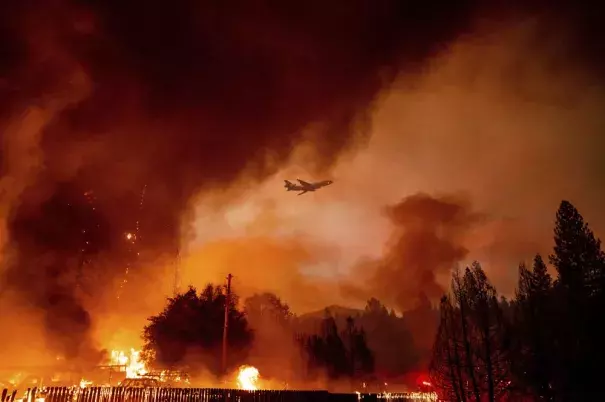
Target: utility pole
(226, 324)
(177, 275)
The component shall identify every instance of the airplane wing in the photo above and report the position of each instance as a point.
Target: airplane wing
(303, 183)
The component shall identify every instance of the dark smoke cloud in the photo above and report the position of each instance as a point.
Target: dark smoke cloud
(121, 96)
(427, 242)
(114, 97)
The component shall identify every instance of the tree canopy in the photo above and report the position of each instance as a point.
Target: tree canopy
(189, 331)
(471, 354)
(340, 354)
(545, 344)
(390, 339)
(275, 352)
(267, 307)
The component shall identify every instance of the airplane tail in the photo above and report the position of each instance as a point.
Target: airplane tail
(289, 185)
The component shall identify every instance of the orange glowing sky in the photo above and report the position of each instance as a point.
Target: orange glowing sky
(500, 117)
(484, 120)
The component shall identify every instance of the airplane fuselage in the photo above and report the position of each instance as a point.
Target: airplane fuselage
(304, 186)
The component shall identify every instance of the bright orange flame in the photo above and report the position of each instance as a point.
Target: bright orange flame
(85, 383)
(135, 368)
(247, 378)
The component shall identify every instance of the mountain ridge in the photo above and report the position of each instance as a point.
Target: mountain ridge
(334, 310)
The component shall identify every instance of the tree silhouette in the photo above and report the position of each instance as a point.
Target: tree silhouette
(389, 339)
(493, 355)
(471, 359)
(545, 344)
(334, 351)
(533, 346)
(275, 351)
(339, 355)
(580, 292)
(189, 332)
(361, 358)
(267, 307)
(422, 322)
(577, 256)
(446, 367)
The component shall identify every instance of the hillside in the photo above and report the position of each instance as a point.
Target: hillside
(310, 322)
(333, 310)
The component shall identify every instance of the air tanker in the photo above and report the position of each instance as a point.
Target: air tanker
(305, 187)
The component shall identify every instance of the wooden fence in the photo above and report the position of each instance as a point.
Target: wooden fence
(120, 394)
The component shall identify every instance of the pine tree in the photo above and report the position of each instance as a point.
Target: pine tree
(541, 281)
(578, 257)
(336, 357)
(580, 287)
(471, 360)
(270, 318)
(492, 353)
(464, 302)
(533, 314)
(364, 362)
(389, 338)
(360, 357)
(548, 342)
(446, 367)
(327, 350)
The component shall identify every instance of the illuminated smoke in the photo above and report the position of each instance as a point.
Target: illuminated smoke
(427, 242)
(180, 100)
(191, 98)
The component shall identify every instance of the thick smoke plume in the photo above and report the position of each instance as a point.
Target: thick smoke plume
(499, 115)
(426, 243)
(115, 98)
(116, 115)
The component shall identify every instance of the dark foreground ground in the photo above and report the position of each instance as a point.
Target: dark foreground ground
(120, 394)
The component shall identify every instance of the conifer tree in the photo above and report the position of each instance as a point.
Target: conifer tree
(446, 369)
(471, 360)
(490, 329)
(577, 256)
(580, 288)
(533, 315)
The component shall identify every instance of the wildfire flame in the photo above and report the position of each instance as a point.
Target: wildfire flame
(135, 368)
(247, 378)
(85, 383)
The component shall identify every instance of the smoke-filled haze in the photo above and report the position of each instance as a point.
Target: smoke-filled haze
(130, 137)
